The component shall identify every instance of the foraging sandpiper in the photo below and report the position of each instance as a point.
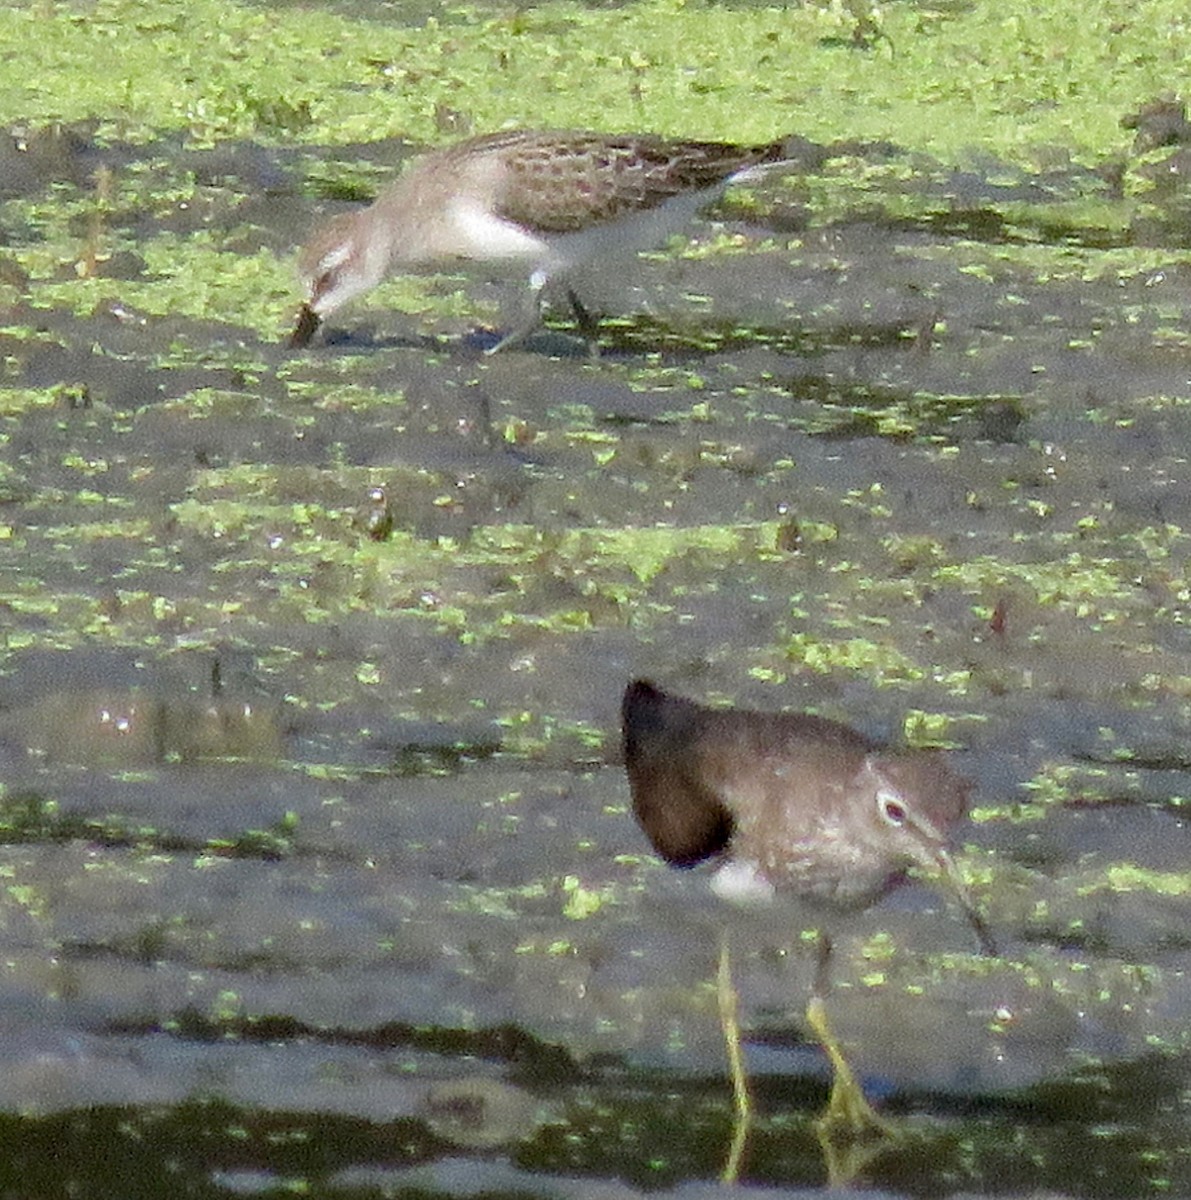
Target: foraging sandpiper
(541, 201)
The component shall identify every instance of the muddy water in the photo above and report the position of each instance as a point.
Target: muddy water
(318, 864)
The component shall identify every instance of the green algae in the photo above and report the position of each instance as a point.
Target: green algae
(1015, 80)
(29, 817)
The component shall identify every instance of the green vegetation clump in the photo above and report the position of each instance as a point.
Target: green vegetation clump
(1019, 82)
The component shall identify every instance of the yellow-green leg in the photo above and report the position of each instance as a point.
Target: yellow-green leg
(848, 1113)
(742, 1098)
(850, 1132)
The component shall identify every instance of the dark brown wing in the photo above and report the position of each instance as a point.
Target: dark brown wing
(683, 818)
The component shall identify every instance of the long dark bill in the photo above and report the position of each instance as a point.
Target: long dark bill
(983, 936)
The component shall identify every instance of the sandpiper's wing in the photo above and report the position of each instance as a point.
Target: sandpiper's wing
(684, 819)
(561, 182)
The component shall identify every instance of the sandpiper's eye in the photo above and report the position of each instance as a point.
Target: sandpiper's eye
(892, 809)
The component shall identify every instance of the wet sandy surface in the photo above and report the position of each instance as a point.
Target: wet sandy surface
(324, 838)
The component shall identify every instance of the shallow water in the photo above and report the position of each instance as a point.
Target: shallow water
(318, 858)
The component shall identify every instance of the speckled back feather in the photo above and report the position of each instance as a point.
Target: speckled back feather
(561, 181)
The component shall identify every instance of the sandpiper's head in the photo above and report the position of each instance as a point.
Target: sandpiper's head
(345, 258)
(908, 803)
(919, 800)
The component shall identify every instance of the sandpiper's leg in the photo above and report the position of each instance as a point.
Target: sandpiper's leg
(850, 1132)
(531, 317)
(848, 1113)
(589, 325)
(742, 1098)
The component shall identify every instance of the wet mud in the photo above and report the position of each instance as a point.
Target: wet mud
(317, 855)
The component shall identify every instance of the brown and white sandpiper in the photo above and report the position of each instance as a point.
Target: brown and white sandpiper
(795, 804)
(543, 201)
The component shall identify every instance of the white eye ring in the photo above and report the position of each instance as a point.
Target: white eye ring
(892, 807)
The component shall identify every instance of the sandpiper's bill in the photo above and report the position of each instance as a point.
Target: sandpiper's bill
(541, 201)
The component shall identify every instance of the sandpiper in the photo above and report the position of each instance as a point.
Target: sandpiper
(543, 201)
(795, 804)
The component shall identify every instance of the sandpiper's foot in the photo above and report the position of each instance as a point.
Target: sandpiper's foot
(513, 338)
(848, 1115)
(529, 319)
(850, 1131)
(846, 1159)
